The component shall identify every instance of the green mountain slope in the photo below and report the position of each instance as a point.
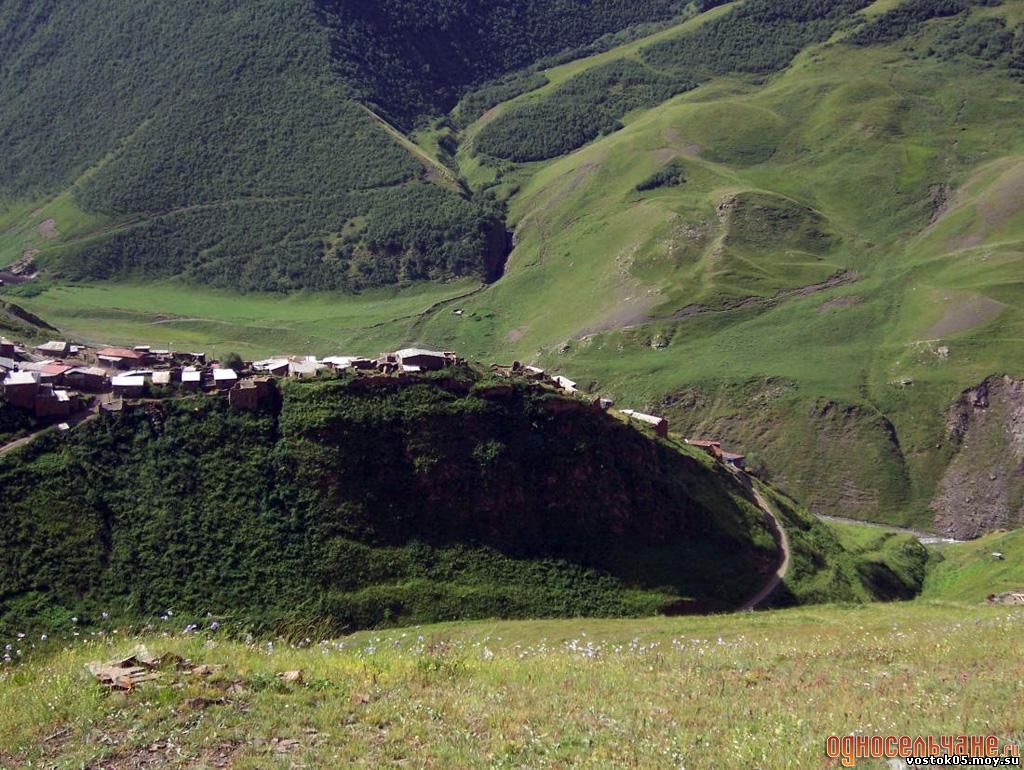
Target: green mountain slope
(812, 251)
(225, 144)
(837, 259)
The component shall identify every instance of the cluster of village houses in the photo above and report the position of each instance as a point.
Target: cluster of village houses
(58, 380)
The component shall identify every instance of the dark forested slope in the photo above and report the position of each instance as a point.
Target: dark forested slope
(227, 142)
(366, 501)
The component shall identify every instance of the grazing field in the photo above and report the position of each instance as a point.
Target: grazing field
(754, 690)
(186, 317)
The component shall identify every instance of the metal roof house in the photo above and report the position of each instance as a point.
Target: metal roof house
(660, 424)
(224, 378)
(426, 360)
(55, 348)
(130, 385)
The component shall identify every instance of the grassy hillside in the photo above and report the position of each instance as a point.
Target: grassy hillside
(839, 264)
(366, 503)
(968, 572)
(760, 690)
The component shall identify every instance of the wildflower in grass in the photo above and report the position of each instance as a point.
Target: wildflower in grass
(74, 619)
(43, 637)
(105, 615)
(214, 625)
(487, 654)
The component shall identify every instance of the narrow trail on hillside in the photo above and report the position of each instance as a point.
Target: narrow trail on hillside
(18, 443)
(926, 538)
(781, 539)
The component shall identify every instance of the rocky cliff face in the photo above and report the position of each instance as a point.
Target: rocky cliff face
(983, 487)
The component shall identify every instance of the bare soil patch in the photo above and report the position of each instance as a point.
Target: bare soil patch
(48, 229)
(965, 315)
(841, 302)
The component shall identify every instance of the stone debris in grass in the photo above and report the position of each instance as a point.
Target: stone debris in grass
(121, 677)
(141, 666)
(291, 677)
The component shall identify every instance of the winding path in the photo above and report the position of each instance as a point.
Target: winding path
(781, 539)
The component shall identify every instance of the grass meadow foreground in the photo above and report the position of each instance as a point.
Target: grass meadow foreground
(754, 690)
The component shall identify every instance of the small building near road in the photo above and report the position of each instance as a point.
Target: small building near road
(6, 348)
(6, 365)
(57, 348)
(121, 358)
(426, 360)
(88, 378)
(660, 424)
(128, 385)
(20, 389)
(163, 377)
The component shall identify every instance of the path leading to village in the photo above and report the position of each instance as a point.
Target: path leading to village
(71, 421)
(779, 533)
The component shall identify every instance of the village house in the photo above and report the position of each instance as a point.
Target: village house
(6, 365)
(6, 348)
(426, 360)
(57, 348)
(248, 394)
(88, 378)
(121, 358)
(128, 385)
(191, 379)
(737, 461)
(163, 378)
(304, 369)
(50, 402)
(565, 385)
(54, 373)
(341, 362)
(244, 395)
(223, 379)
(713, 448)
(660, 424)
(278, 367)
(20, 389)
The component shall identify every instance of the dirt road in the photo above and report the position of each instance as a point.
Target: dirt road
(779, 533)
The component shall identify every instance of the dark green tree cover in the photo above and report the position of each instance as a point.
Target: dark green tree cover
(362, 504)
(757, 37)
(227, 126)
(908, 17)
(414, 232)
(474, 104)
(414, 58)
(672, 174)
(13, 422)
(581, 109)
(989, 41)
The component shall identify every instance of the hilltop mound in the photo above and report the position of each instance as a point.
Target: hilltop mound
(368, 501)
